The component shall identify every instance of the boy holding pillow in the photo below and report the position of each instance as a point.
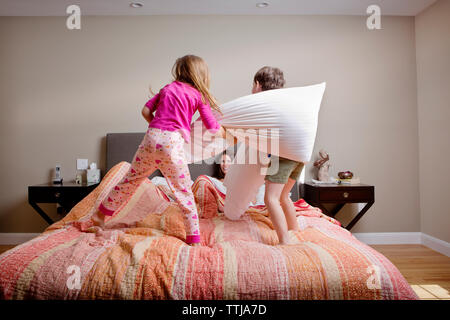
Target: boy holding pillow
(277, 200)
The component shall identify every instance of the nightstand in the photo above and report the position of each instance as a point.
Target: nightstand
(67, 195)
(319, 194)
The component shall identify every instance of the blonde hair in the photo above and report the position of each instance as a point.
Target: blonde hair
(194, 71)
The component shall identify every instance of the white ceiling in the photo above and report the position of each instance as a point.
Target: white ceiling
(240, 7)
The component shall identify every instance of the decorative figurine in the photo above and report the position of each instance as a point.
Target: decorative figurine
(323, 165)
(345, 175)
(79, 178)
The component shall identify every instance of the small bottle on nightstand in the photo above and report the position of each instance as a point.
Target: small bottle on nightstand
(79, 177)
(57, 179)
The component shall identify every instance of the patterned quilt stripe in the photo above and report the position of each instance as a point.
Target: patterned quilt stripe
(20, 265)
(140, 253)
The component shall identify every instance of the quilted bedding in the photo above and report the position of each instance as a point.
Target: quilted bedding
(140, 253)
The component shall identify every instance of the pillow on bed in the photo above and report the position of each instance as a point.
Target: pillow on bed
(260, 196)
(163, 186)
(158, 181)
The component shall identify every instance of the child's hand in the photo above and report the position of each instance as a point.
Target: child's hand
(231, 140)
(222, 132)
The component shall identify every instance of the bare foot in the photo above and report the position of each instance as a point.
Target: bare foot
(289, 238)
(285, 239)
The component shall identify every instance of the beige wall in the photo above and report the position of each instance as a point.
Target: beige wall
(62, 91)
(433, 92)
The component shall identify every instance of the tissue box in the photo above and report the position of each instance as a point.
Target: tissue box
(93, 175)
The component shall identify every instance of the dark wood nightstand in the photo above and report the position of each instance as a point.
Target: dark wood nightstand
(319, 194)
(67, 195)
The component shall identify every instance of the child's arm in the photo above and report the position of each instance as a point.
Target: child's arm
(231, 140)
(222, 132)
(211, 124)
(147, 114)
(149, 108)
(208, 118)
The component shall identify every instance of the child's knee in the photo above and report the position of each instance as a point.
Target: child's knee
(285, 198)
(271, 199)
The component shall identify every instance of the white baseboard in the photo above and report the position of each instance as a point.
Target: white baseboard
(436, 244)
(16, 238)
(389, 237)
(433, 243)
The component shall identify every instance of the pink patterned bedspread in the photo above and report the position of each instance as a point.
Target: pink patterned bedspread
(140, 253)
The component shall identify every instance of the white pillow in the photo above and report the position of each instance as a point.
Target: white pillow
(218, 184)
(294, 112)
(158, 181)
(243, 182)
(260, 195)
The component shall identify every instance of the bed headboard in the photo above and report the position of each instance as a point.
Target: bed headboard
(123, 146)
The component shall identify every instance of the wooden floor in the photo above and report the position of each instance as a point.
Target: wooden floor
(5, 248)
(427, 271)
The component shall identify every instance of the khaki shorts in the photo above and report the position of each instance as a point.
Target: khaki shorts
(286, 169)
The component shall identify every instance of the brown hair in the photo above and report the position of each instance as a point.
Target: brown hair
(269, 78)
(194, 71)
(218, 172)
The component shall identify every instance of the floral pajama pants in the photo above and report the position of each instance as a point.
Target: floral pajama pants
(161, 150)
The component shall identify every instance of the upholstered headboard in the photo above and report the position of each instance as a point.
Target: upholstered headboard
(123, 146)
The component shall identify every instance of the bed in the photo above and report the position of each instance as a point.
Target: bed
(140, 252)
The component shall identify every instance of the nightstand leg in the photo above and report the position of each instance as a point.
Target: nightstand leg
(324, 210)
(331, 213)
(41, 212)
(359, 215)
(338, 208)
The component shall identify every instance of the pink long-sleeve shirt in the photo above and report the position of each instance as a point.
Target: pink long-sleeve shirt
(175, 104)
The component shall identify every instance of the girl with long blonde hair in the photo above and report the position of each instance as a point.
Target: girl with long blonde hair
(169, 114)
